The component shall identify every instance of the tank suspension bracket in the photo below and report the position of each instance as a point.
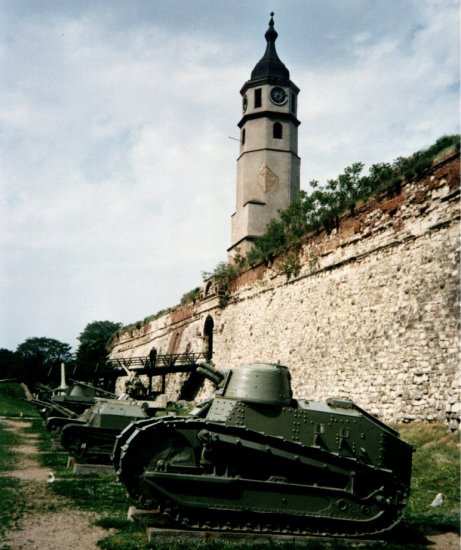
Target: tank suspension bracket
(301, 454)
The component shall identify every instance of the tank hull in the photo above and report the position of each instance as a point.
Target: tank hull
(208, 475)
(87, 444)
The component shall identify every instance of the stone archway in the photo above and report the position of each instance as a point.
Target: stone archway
(208, 337)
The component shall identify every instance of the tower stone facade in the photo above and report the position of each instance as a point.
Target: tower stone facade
(268, 166)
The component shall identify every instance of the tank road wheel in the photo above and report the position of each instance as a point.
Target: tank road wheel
(149, 447)
(125, 435)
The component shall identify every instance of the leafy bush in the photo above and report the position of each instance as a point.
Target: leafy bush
(222, 275)
(190, 296)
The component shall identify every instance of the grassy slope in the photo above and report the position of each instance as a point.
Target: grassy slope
(435, 470)
(12, 401)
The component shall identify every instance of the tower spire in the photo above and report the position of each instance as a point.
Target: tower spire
(270, 65)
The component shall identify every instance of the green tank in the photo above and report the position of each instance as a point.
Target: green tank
(254, 459)
(90, 438)
(71, 401)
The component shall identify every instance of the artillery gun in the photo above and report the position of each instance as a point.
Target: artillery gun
(254, 459)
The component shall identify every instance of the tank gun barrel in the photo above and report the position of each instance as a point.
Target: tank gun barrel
(99, 391)
(43, 387)
(52, 405)
(214, 375)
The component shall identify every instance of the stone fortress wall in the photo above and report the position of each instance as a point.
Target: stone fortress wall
(373, 314)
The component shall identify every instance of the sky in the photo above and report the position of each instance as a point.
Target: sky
(117, 163)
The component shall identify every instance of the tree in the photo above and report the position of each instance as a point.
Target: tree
(93, 351)
(9, 364)
(40, 359)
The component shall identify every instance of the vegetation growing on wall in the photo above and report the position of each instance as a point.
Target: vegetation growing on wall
(222, 275)
(190, 297)
(138, 324)
(322, 208)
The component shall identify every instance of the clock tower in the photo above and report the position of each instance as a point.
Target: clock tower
(268, 164)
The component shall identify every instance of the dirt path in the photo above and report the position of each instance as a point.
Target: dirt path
(59, 530)
(444, 541)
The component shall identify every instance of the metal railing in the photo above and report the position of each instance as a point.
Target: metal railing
(160, 364)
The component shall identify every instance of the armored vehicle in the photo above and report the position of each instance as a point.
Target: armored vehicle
(72, 402)
(90, 438)
(254, 459)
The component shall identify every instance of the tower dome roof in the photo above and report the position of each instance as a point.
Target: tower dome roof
(270, 65)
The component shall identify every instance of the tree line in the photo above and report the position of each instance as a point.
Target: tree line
(38, 359)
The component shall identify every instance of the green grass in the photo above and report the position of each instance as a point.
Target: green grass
(12, 499)
(14, 494)
(12, 503)
(13, 402)
(96, 493)
(436, 469)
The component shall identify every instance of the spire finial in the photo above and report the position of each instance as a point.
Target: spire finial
(271, 33)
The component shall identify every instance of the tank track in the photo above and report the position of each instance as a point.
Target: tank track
(366, 501)
(189, 521)
(88, 444)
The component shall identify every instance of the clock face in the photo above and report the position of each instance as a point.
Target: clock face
(244, 103)
(278, 95)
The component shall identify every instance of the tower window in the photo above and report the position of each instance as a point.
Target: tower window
(277, 130)
(293, 103)
(243, 136)
(258, 97)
